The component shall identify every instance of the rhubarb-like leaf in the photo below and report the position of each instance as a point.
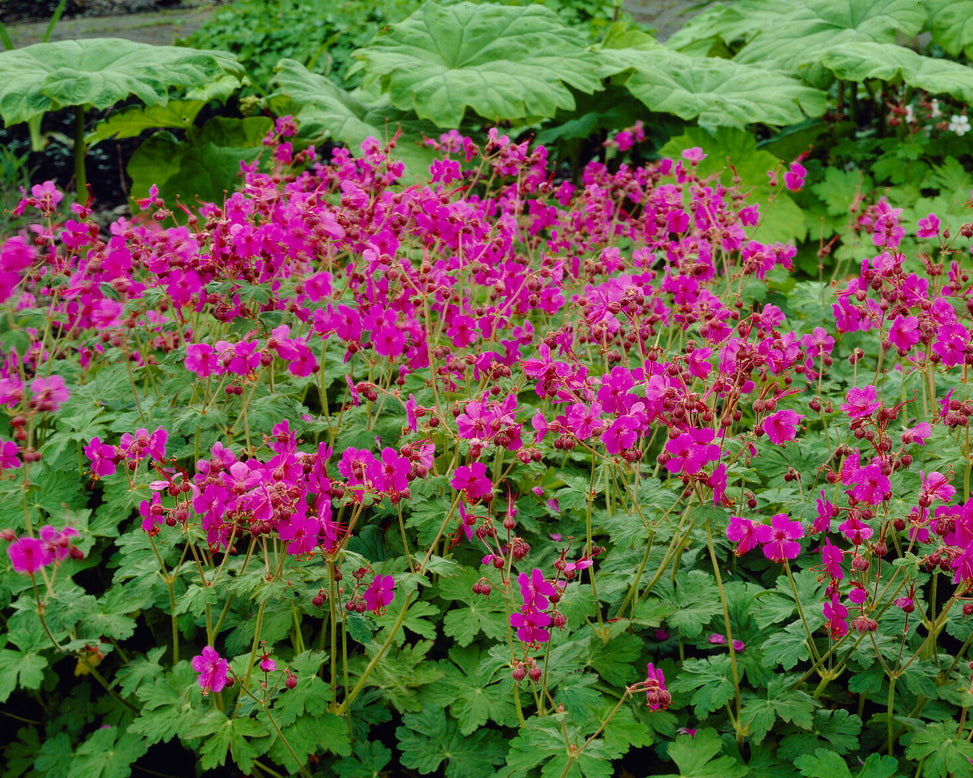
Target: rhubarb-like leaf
(100, 72)
(500, 62)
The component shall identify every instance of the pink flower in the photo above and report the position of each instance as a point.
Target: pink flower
(917, 434)
(835, 613)
(779, 538)
(860, 402)
(29, 555)
(936, 486)
(782, 426)
(831, 555)
(694, 156)
(535, 590)
(743, 532)
(101, 456)
(212, 670)
(48, 394)
(380, 593)
(716, 639)
(473, 481)
(928, 227)
(530, 626)
(794, 178)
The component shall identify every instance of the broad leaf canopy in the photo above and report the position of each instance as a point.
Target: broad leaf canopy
(500, 62)
(100, 72)
(715, 91)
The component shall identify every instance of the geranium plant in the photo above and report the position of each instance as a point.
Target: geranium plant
(341, 474)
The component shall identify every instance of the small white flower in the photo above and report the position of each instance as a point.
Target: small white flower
(910, 115)
(959, 124)
(936, 110)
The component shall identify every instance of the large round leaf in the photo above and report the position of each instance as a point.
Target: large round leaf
(100, 72)
(952, 25)
(716, 91)
(500, 62)
(325, 109)
(800, 34)
(888, 62)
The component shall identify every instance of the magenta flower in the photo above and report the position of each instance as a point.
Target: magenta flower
(530, 626)
(48, 394)
(691, 451)
(101, 456)
(831, 555)
(860, 402)
(535, 590)
(472, 480)
(212, 670)
(794, 178)
(928, 227)
(779, 538)
(29, 555)
(782, 426)
(836, 614)
(302, 532)
(8, 455)
(380, 593)
(743, 533)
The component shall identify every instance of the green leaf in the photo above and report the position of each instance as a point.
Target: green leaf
(166, 709)
(780, 218)
(133, 121)
(838, 728)
(781, 702)
(107, 754)
(889, 62)
(709, 679)
(323, 109)
(541, 742)
(473, 690)
(793, 33)
(697, 757)
(500, 62)
(716, 92)
(204, 166)
(222, 734)
(826, 764)
(428, 739)
(788, 646)
(55, 756)
(368, 761)
(951, 22)
(942, 753)
(482, 613)
(694, 601)
(100, 72)
(18, 668)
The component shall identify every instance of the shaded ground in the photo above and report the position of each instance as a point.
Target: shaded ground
(160, 25)
(153, 21)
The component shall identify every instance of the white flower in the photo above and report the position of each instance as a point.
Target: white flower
(910, 115)
(959, 124)
(936, 110)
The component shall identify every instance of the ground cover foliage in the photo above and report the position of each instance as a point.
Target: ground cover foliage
(427, 454)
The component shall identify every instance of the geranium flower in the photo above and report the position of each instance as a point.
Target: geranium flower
(779, 538)
(782, 426)
(212, 670)
(29, 555)
(380, 593)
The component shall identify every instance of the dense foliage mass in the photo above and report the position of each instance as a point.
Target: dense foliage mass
(347, 471)
(432, 453)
